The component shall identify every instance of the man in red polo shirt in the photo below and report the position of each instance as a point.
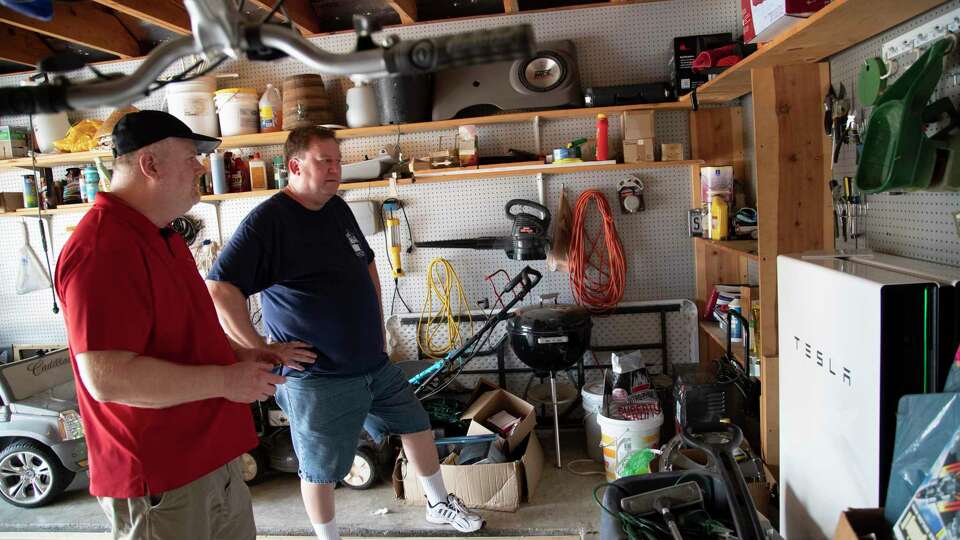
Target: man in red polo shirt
(163, 395)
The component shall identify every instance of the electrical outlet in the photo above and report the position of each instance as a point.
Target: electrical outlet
(924, 35)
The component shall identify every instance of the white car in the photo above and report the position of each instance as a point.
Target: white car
(42, 446)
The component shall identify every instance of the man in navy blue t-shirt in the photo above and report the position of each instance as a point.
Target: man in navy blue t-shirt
(303, 251)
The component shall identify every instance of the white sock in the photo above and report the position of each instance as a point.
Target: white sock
(434, 488)
(327, 531)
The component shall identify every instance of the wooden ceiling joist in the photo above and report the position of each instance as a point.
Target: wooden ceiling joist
(300, 11)
(22, 47)
(167, 14)
(80, 23)
(406, 9)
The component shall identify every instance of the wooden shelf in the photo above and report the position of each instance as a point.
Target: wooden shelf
(421, 179)
(62, 209)
(507, 118)
(56, 160)
(712, 329)
(279, 137)
(743, 248)
(837, 27)
(440, 175)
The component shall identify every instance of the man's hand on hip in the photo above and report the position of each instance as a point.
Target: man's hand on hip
(293, 354)
(251, 379)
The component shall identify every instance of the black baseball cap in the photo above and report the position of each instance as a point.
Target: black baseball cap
(138, 129)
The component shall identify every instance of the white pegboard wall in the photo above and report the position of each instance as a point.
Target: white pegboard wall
(918, 225)
(615, 45)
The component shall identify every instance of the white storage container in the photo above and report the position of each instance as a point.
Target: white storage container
(239, 111)
(192, 102)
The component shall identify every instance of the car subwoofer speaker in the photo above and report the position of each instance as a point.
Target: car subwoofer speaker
(548, 79)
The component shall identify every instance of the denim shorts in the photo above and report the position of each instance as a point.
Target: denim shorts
(327, 413)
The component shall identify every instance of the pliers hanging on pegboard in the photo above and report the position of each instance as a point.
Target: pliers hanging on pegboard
(837, 119)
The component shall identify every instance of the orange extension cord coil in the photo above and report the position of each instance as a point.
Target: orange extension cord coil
(597, 275)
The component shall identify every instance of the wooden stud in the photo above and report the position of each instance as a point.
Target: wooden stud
(792, 172)
(793, 160)
(301, 11)
(770, 410)
(406, 9)
(80, 23)
(510, 6)
(167, 14)
(22, 47)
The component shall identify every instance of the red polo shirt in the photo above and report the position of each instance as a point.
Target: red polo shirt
(126, 286)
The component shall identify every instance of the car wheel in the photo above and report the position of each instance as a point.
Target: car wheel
(253, 466)
(31, 475)
(363, 473)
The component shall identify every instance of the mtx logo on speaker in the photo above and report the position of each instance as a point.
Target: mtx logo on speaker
(823, 360)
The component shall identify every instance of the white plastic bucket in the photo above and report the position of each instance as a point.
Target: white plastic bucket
(592, 403)
(622, 438)
(192, 102)
(48, 128)
(239, 111)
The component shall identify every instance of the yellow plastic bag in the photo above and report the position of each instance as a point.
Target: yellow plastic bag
(80, 137)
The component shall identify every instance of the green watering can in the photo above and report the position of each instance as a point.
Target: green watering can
(897, 154)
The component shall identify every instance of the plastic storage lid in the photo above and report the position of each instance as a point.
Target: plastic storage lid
(549, 319)
(205, 83)
(236, 91)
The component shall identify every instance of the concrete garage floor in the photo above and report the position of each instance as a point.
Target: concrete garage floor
(562, 505)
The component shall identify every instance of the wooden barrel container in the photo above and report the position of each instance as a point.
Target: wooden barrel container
(305, 102)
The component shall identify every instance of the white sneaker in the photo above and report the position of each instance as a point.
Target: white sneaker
(452, 512)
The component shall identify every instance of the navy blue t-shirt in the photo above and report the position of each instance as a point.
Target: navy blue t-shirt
(311, 267)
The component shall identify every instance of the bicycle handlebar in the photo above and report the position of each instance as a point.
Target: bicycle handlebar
(418, 56)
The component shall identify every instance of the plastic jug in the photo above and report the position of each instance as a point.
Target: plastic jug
(719, 218)
(361, 105)
(270, 107)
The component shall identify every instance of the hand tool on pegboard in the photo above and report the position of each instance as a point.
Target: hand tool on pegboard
(528, 240)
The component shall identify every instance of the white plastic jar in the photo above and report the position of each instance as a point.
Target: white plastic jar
(239, 111)
(192, 102)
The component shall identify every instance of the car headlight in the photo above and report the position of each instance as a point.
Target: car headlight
(70, 425)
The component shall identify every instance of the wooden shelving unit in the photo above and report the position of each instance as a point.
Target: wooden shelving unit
(788, 83)
(840, 25)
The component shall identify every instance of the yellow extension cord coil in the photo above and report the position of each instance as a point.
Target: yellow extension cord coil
(441, 281)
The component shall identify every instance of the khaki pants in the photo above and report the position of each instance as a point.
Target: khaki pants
(216, 506)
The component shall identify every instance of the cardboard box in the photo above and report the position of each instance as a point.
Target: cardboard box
(671, 152)
(764, 20)
(13, 142)
(11, 201)
(639, 150)
(495, 401)
(498, 486)
(856, 523)
(636, 125)
(685, 51)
